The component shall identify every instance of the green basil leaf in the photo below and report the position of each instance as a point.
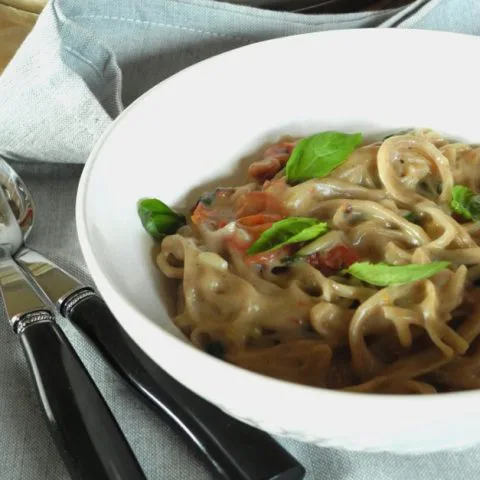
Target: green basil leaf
(412, 217)
(286, 231)
(461, 197)
(474, 207)
(318, 155)
(309, 233)
(465, 202)
(382, 275)
(157, 218)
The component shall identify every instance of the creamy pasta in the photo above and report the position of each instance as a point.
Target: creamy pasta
(299, 310)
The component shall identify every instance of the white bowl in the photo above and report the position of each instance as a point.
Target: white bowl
(193, 128)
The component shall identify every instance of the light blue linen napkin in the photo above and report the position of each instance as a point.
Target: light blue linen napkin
(83, 62)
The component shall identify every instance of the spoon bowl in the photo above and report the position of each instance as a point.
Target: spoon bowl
(18, 197)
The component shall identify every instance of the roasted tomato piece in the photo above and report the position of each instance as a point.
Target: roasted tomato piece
(255, 202)
(338, 257)
(274, 159)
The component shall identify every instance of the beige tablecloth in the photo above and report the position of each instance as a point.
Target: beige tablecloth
(17, 18)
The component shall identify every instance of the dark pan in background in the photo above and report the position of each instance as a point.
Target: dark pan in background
(322, 6)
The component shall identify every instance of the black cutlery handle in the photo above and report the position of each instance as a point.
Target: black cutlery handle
(235, 450)
(85, 431)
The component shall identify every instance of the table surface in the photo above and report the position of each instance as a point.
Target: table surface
(17, 18)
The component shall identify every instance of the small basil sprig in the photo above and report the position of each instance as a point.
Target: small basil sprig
(287, 231)
(465, 202)
(318, 155)
(157, 218)
(382, 274)
(412, 217)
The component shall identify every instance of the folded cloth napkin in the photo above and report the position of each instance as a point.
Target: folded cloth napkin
(81, 65)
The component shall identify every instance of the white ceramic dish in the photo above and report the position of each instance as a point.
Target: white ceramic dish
(193, 128)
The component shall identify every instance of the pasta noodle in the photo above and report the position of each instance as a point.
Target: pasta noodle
(294, 312)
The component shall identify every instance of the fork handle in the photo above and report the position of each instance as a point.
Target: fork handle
(235, 450)
(83, 428)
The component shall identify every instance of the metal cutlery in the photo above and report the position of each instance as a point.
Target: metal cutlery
(234, 450)
(84, 430)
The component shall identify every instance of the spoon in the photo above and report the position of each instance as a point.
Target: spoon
(233, 449)
(85, 431)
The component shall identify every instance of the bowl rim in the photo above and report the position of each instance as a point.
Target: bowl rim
(111, 293)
